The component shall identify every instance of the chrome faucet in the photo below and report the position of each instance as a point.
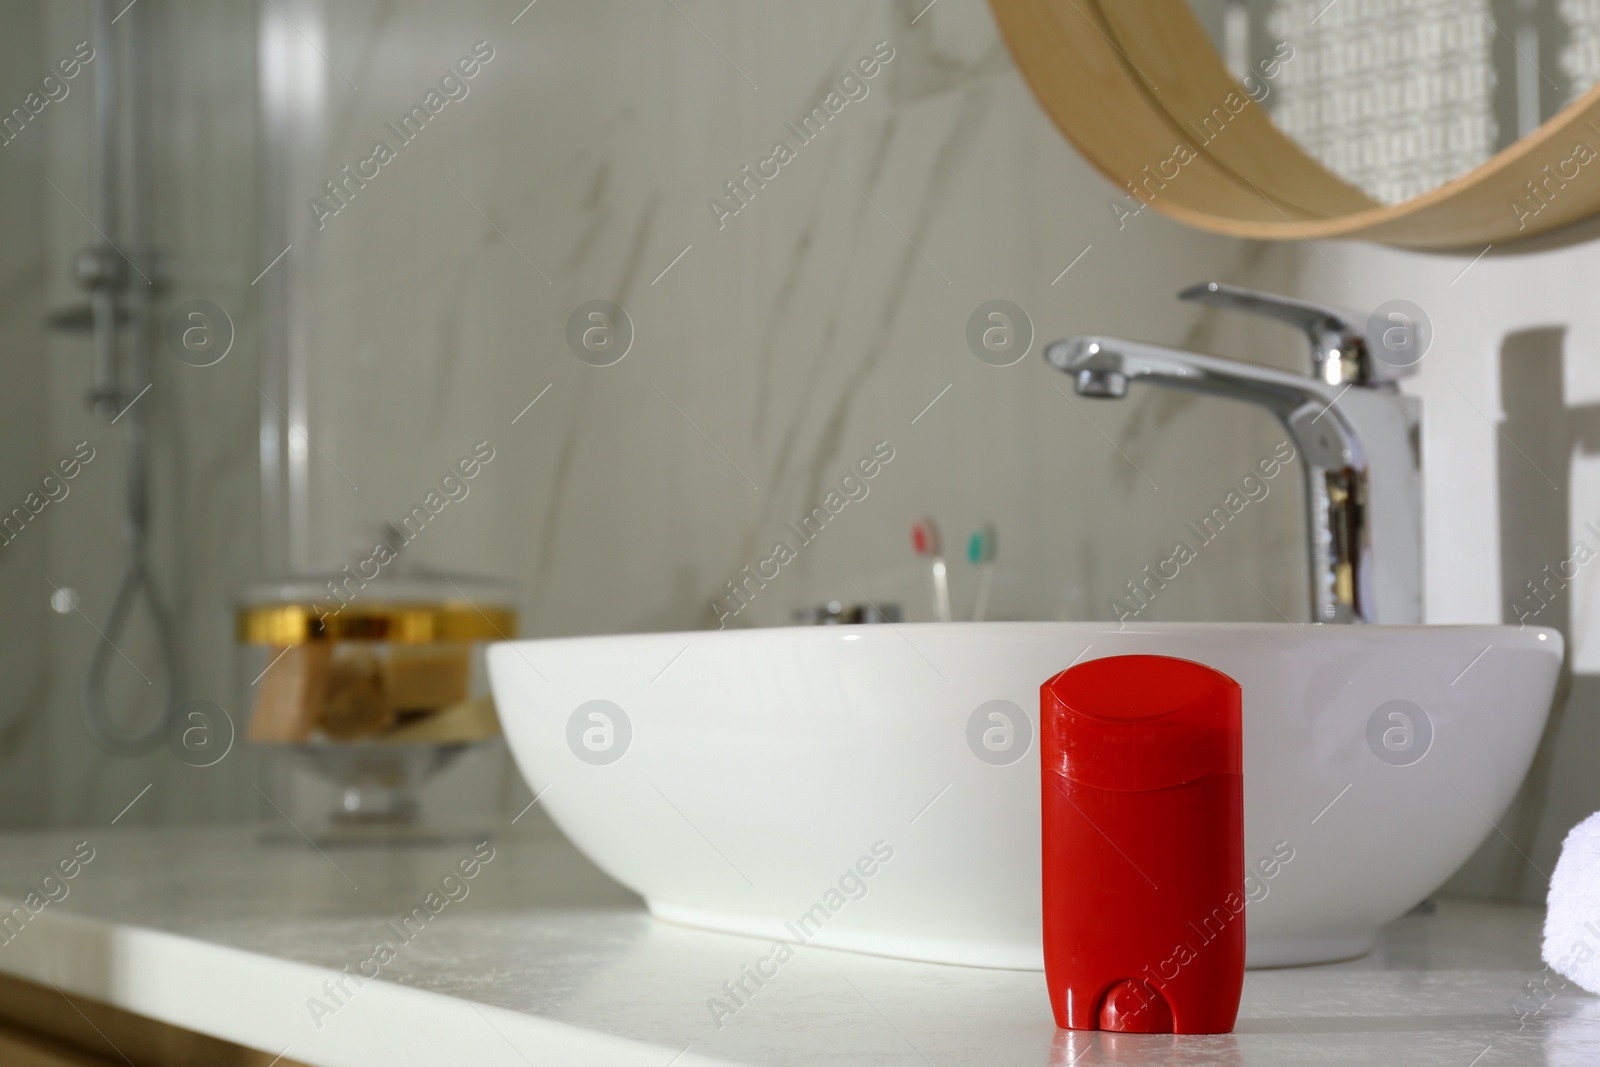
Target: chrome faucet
(1356, 432)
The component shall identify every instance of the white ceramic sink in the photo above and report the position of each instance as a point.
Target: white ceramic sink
(754, 781)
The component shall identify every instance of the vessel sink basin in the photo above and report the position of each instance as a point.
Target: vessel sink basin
(876, 788)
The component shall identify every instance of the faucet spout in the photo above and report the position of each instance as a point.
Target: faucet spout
(1104, 366)
(1358, 447)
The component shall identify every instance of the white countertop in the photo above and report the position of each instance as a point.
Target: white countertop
(547, 961)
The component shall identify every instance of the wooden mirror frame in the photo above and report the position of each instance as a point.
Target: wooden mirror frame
(1138, 88)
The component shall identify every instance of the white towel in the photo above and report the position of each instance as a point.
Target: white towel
(1572, 923)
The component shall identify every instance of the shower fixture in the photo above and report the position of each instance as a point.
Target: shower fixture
(116, 272)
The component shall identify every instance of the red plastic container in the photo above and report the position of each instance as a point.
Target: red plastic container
(1143, 846)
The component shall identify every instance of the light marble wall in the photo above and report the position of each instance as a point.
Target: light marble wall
(777, 350)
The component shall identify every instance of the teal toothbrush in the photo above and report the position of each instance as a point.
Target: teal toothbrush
(980, 553)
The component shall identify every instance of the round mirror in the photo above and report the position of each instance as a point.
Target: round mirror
(1398, 97)
(1427, 123)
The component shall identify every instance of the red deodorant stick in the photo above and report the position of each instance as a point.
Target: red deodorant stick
(1143, 846)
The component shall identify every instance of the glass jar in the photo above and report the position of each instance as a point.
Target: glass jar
(362, 690)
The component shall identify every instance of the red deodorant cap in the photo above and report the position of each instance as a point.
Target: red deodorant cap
(1143, 816)
(1141, 722)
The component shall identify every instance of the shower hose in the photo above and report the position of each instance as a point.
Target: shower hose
(136, 580)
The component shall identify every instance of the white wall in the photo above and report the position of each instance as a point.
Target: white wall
(1505, 498)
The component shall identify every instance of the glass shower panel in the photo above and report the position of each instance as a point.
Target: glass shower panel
(194, 140)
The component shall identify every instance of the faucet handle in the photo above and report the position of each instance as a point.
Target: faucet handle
(1340, 350)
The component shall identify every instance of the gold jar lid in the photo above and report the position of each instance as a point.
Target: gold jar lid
(423, 623)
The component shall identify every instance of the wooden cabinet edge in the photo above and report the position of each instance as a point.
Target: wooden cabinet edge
(100, 1033)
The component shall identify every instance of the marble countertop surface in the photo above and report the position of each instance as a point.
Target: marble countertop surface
(539, 958)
